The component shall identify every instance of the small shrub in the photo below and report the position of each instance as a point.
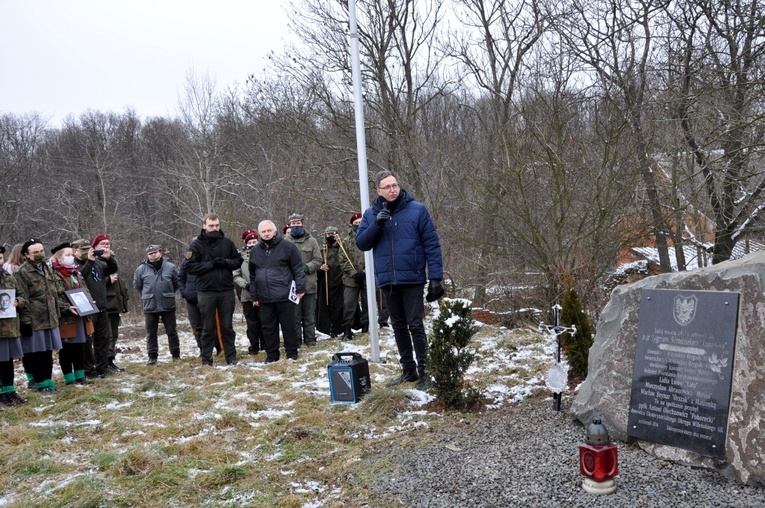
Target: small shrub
(577, 347)
(448, 355)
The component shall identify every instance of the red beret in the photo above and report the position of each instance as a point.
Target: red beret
(248, 235)
(355, 216)
(99, 238)
(285, 228)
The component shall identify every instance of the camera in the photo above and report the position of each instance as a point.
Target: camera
(98, 252)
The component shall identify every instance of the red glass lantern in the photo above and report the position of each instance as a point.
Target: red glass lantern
(598, 460)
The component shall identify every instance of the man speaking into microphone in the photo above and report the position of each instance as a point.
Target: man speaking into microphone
(407, 254)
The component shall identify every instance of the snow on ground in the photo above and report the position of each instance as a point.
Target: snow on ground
(509, 366)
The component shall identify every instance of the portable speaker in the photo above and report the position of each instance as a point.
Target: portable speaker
(348, 377)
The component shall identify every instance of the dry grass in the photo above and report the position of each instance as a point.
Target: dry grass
(179, 434)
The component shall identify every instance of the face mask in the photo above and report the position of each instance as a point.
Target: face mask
(297, 231)
(155, 261)
(67, 260)
(248, 247)
(38, 258)
(355, 228)
(213, 234)
(331, 240)
(267, 242)
(84, 255)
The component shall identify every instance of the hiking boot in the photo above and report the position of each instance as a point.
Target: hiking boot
(14, 399)
(177, 357)
(152, 360)
(83, 381)
(348, 334)
(423, 384)
(408, 376)
(31, 385)
(113, 367)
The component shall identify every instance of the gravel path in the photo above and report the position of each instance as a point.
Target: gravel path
(527, 456)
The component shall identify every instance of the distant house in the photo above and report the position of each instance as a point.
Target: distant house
(695, 257)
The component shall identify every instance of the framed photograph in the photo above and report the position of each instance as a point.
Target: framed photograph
(81, 299)
(7, 310)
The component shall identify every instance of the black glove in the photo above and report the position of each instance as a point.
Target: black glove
(383, 216)
(435, 290)
(247, 287)
(219, 263)
(305, 269)
(26, 329)
(359, 278)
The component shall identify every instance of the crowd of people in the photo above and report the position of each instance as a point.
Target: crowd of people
(290, 281)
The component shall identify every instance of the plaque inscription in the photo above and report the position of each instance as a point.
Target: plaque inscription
(683, 367)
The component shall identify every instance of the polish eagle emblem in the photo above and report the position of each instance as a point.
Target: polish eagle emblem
(685, 309)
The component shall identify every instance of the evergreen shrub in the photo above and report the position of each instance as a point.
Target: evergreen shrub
(448, 355)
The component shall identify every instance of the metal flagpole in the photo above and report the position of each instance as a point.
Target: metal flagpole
(361, 148)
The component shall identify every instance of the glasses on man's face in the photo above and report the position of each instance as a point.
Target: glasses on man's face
(392, 186)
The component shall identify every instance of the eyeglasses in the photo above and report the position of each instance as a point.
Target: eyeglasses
(392, 186)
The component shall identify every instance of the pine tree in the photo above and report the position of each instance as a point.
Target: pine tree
(577, 347)
(448, 355)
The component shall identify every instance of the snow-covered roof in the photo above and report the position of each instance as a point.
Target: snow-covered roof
(692, 260)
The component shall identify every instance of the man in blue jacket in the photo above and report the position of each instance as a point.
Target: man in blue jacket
(407, 253)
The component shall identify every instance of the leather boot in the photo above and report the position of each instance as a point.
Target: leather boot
(408, 376)
(348, 333)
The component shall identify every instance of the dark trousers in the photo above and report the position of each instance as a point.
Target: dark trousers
(272, 315)
(89, 357)
(41, 363)
(114, 324)
(224, 302)
(6, 373)
(305, 318)
(406, 309)
(102, 337)
(71, 357)
(351, 297)
(152, 320)
(195, 320)
(254, 327)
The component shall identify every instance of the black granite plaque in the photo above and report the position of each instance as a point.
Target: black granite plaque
(683, 364)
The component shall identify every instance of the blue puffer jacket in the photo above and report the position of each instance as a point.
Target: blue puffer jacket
(404, 246)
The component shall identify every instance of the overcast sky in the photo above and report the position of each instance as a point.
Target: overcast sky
(66, 56)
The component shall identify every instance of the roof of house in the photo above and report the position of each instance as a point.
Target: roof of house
(692, 258)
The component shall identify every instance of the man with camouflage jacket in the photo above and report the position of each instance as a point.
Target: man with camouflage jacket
(305, 313)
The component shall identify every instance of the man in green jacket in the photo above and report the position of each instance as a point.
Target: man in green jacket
(305, 313)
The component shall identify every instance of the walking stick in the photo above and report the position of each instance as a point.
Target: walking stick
(220, 336)
(326, 273)
(342, 248)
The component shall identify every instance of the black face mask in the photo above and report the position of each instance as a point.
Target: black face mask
(331, 240)
(355, 228)
(267, 242)
(213, 234)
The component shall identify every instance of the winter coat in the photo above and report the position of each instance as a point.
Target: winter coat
(95, 272)
(202, 255)
(117, 296)
(242, 278)
(310, 252)
(187, 284)
(67, 322)
(157, 286)
(43, 290)
(353, 262)
(9, 327)
(272, 270)
(406, 248)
